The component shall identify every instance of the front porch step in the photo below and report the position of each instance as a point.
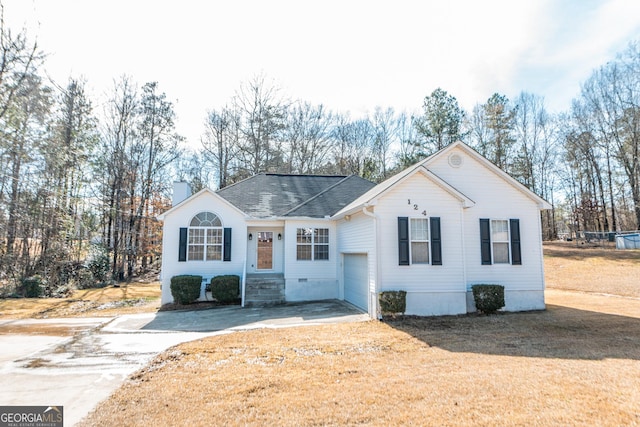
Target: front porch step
(264, 290)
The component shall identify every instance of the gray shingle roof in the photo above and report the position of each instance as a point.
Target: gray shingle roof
(279, 195)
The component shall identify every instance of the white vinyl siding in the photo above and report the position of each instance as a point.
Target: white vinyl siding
(429, 197)
(495, 198)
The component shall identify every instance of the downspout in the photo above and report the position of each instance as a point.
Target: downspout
(375, 313)
(463, 238)
(244, 279)
(541, 249)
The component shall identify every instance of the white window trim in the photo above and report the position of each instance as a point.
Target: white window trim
(428, 241)
(206, 245)
(313, 243)
(493, 241)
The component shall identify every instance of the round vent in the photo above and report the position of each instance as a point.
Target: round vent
(455, 160)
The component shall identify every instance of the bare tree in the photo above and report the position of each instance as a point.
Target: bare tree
(262, 113)
(385, 127)
(113, 168)
(408, 151)
(221, 142)
(352, 148)
(611, 100)
(307, 136)
(23, 130)
(158, 145)
(19, 59)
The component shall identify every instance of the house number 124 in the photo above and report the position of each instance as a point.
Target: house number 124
(415, 207)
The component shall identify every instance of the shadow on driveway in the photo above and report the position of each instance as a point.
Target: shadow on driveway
(239, 318)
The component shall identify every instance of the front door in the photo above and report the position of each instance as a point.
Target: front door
(265, 250)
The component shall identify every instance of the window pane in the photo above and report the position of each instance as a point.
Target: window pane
(196, 253)
(501, 253)
(321, 252)
(419, 252)
(214, 252)
(304, 235)
(500, 231)
(214, 235)
(206, 219)
(196, 236)
(322, 235)
(419, 229)
(212, 220)
(303, 252)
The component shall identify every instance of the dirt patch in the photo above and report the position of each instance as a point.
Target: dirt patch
(198, 305)
(103, 302)
(37, 363)
(40, 329)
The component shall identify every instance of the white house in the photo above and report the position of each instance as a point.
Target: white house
(435, 229)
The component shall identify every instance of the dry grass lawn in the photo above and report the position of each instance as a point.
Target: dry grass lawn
(108, 301)
(577, 363)
(591, 269)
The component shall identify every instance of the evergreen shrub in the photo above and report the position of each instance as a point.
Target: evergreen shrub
(393, 302)
(225, 289)
(185, 288)
(488, 298)
(32, 287)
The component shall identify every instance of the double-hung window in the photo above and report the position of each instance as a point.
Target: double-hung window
(419, 241)
(500, 241)
(312, 244)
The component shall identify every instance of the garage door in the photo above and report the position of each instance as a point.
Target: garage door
(356, 280)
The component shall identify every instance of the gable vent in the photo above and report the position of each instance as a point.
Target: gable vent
(455, 160)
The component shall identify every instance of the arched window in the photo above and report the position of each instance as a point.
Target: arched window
(206, 219)
(205, 238)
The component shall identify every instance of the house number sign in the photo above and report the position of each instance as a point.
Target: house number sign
(416, 208)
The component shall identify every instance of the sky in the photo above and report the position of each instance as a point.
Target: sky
(348, 55)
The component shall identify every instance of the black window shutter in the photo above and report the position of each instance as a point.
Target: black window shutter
(182, 245)
(403, 240)
(436, 241)
(226, 253)
(516, 255)
(485, 241)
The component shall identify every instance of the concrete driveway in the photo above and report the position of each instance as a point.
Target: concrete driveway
(78, 362)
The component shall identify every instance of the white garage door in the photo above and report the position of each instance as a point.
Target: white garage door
(356, 280)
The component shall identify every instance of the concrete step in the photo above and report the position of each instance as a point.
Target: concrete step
(264, 290)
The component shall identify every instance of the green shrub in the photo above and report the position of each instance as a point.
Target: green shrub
(488, 298)
(393, 302)
(99, 264)
(225, 289)
(185, 289)
(83, 278)
(32, 287)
